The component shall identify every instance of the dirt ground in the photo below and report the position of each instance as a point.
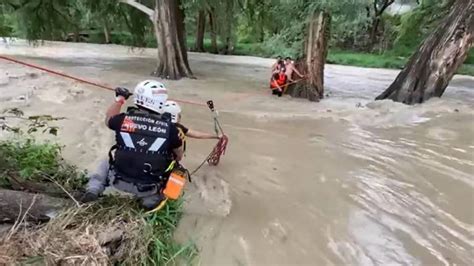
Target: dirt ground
(344, 181)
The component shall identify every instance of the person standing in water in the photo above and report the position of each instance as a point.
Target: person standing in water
(290, 69)
(278, 82)
(278, 65)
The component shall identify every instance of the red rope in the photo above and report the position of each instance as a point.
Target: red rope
(80, 79)
(218, 151)
(55, 72)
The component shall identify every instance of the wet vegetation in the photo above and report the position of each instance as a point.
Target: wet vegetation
(113, 230)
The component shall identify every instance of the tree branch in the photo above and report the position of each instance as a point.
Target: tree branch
(140, 7)
(375, 7)
(386, 4)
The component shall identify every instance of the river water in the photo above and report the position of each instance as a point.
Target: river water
(347, 181)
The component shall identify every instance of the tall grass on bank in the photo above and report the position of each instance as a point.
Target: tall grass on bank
(112, 231)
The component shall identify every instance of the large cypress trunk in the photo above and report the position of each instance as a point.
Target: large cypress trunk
(169, 30)
(430, 69)
(168, 21)
(312, 65)
(201, 28)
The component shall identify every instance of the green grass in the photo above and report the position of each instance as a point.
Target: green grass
(466, 69)
(365, 59)
(387, 60)
(27, 160)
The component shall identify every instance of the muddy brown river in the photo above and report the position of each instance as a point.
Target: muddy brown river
(347, 181)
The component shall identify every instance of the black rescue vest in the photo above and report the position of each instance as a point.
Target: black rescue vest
(142, 152)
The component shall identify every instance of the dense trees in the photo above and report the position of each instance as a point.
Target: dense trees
(275, 23)
(270, 27)
(260, 27)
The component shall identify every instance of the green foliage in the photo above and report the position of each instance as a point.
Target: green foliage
(251, 27)
(6, 23)
(27, 160)
(466, 69)
(365, 59)
(34, 123)
(44, 19)
(162, 225)
(67, 19)
(386, 60)
(417, 24)
(470, 57)
(348, 28)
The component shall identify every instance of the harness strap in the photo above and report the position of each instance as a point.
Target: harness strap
(111, 156)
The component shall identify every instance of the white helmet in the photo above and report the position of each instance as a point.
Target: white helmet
(151, 94)
(173, 108)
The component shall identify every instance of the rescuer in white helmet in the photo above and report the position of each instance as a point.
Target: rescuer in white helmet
(173, 108)
(147, 142)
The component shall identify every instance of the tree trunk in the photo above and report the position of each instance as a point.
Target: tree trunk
(374, 31)
(226, 32)
(168, 23)
(212, 30)
(106, 31)
(228, 47)
(430, 69)
(261, 37)
(201, 28)
(312, 65)
(169, 30)
(76, 35)
(14, 204)
(377, 19)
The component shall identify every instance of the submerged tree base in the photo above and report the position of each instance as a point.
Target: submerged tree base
(312, 65)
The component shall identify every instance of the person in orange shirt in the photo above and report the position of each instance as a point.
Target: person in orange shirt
(278, 82)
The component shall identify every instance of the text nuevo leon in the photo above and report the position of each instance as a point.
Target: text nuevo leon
(151, 128)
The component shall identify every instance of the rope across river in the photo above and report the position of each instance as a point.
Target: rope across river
(95, 84)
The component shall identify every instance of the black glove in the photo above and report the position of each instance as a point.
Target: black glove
(124, 92)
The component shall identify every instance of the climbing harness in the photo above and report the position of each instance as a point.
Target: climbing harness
(159, 207)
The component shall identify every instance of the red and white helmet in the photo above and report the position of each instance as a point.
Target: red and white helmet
(152, 95)
(174, 109)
